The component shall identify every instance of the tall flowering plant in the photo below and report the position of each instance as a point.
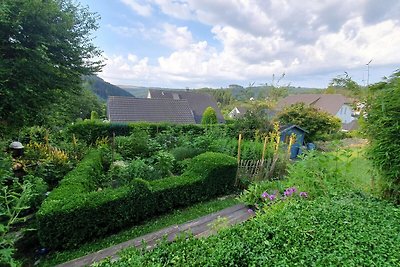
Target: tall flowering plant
(268, 198)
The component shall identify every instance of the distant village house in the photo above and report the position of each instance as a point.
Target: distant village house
(335, 104)
(237, 112)
(180, 107)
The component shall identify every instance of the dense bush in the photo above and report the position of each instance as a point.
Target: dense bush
(185, 152)
(209, 116)
(383, 128)
(134, 145)
(255, 120)
(316, 175)
(316, 122)
(350, 230)
(90, 131)
(77, 210)
(46, 161)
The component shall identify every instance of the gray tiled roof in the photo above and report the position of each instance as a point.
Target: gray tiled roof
(330, 103)
(198, 102)
(130, 109)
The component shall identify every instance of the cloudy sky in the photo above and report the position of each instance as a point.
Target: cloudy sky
(214, 43)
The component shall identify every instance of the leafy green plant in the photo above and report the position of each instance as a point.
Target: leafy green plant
(348, 230)
(45, 161)
(382, 127)
(13, 201)
(185, 152)
(209, 116)
(163, 163)
(315, 121)
(135, 145)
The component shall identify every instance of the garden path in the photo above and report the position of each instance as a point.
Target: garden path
(201, 227)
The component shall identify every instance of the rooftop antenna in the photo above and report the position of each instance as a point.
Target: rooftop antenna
(368, 72)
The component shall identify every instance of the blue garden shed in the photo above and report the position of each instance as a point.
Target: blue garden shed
(287, 131)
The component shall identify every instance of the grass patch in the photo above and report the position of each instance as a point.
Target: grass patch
(177, 217)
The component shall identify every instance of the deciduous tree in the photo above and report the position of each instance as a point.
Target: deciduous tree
(45, 48)
(315, 121)
(209, 116)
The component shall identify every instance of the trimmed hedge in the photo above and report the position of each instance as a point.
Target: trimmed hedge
(90, 131)
(75, 212)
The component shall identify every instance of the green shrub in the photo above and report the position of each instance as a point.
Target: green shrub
(140, 169)
(54, 216)
(33, 134)
(317, 174)
(163, 163)
(315, 121)
(209, 116)
(135, 145)
(77, 211)
(185, 152)
(383, 128)
(94, 115)
(38, 190)
(89, 131)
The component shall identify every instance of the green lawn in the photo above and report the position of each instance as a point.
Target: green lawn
(177, 217)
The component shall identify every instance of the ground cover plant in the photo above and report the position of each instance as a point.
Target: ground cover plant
(347, 230)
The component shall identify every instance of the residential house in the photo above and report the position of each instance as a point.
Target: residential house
(237, 112)
(130, 109)
(197, 101)
(334, 104)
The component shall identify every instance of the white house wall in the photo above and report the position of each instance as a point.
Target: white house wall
(344, 114)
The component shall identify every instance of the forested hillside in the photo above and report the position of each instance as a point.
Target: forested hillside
(102, 88)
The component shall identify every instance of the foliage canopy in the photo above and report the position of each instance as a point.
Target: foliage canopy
(315, 121)
(209, 116)
(383, 128)
(46, 46)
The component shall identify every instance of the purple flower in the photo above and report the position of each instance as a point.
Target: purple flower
(289, 192)
(303, 194)
(264, 195)
(272, 197)
(250, 211)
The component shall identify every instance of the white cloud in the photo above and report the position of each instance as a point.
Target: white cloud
(141, 9)
(177, 9)
(258, 38)
(176, 37)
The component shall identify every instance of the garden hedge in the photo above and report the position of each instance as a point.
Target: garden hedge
(90, 131)
(77, 211)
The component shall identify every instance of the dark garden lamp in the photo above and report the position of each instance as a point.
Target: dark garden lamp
(17, 149)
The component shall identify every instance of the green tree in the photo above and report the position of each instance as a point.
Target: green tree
(94, 115)
(383, 128)
(343, 83)
(315, 121)
(256, 119)
(45, 48)
(209, 116)
(79, 105)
